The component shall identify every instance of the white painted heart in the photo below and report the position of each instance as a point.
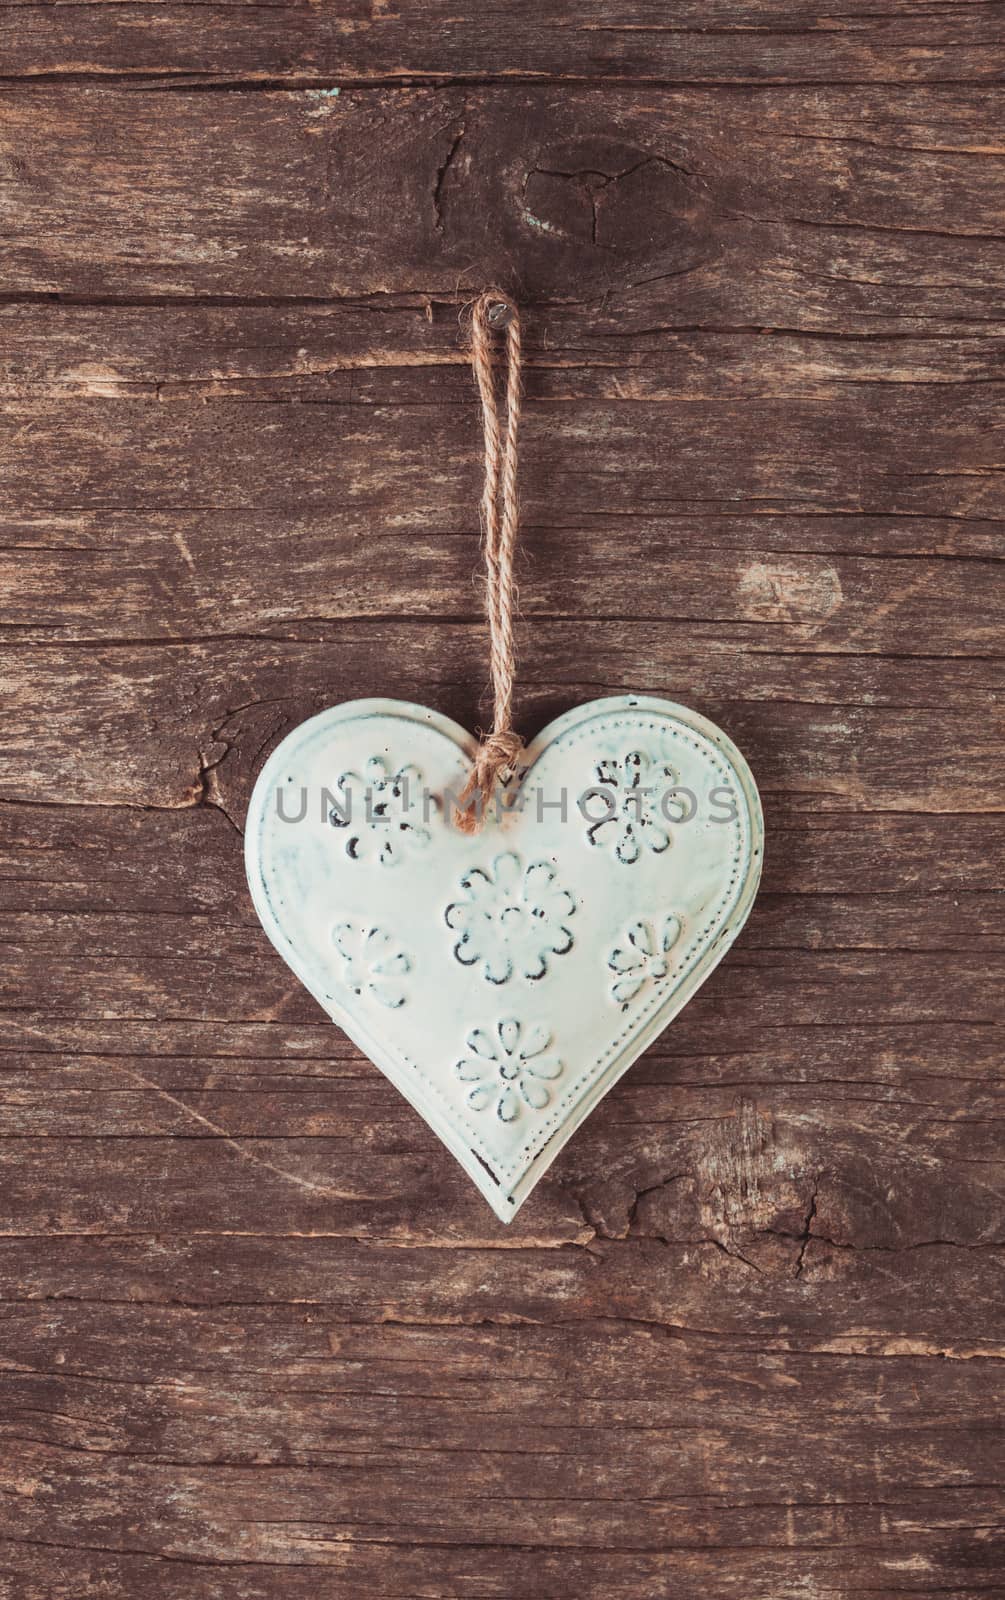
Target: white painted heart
(504, 981)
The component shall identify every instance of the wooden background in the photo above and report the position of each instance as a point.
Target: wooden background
(261, 1340)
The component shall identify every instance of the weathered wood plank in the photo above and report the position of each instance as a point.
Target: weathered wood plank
(316, 1530)
(860, 455)
(885, 41)
(385, 1570)
(807, 618)
(171, 725)
(226, 547)
(940, 1295)
(108, 859)
(410, 349)
(845, 987)
(355, 1163)
(753, 208)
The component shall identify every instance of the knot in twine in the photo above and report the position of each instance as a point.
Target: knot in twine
(501, 746)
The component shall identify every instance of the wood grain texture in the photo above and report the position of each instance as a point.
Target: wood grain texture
(260, 1336)
(885, 41)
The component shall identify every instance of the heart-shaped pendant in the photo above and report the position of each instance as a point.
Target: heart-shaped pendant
(504, 980)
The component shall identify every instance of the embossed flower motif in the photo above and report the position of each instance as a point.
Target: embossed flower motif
(511, 918)
(372, 963)
(643, 959)
(634, 821)
(380, 812)
(509, 1067)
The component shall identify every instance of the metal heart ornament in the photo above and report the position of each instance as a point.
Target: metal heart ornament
(504, 980)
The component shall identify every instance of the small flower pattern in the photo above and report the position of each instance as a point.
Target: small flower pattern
(511, 919)
(509, 1068)
(373, 965)
(382, 811)
(634, 821)
(644, 958)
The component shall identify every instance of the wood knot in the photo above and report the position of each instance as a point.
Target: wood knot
(598, 208)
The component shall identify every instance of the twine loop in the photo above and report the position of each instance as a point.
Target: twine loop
(501, 746)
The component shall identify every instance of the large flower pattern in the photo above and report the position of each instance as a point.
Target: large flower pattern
(644, 958)
(510, 1068)
(379, 811)
(373, 964)
(511, 919)
(634, 786)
